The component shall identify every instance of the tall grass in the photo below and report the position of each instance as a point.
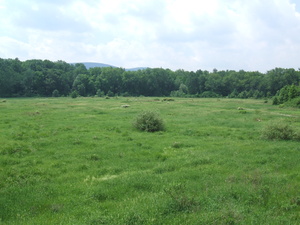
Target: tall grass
(80, 161)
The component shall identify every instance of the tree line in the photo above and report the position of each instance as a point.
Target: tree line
(46, 78)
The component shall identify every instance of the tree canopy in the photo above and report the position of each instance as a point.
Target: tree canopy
(45, 78)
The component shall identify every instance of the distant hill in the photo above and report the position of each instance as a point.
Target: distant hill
(92, 65)
(89, 65)
(136, 68)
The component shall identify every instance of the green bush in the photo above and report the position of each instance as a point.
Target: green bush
(168, 100)
(110, 93)
(275, 101)
(209, 94)
(295, 102)
(279, 131)
(177, 94)
(74, 94)
(55, 93)
(149, 121)
(99, 93)
(287, 94)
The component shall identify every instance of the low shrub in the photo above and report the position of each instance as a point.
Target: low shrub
(279, 131)
(168, 100)
(209, 94)
(275, 101)
(149, 121)
(295, 102)
(99, 93)
(55, 93)
(74, 94)
(110, 94)
(126, 94)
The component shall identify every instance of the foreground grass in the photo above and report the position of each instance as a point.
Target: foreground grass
(79, 161)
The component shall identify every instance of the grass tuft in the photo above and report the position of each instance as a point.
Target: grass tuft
(180, 200)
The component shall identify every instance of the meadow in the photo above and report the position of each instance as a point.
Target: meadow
(80, 161)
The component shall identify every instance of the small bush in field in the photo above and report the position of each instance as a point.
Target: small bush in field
(55, 93)
(149, 121)
(279, 131)
(168, 100)
(74, 94)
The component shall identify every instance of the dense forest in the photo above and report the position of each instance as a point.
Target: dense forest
(46, 78)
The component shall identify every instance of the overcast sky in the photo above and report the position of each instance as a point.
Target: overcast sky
(176, 34)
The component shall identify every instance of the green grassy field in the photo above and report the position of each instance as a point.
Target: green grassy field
(80, 161)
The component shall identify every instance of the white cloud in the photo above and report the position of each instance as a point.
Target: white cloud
(187, 34)
(11, 48)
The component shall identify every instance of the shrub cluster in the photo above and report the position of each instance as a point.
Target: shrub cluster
(280, 131)
(149, 121)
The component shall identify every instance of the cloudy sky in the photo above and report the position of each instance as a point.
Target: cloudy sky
(176, 34)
